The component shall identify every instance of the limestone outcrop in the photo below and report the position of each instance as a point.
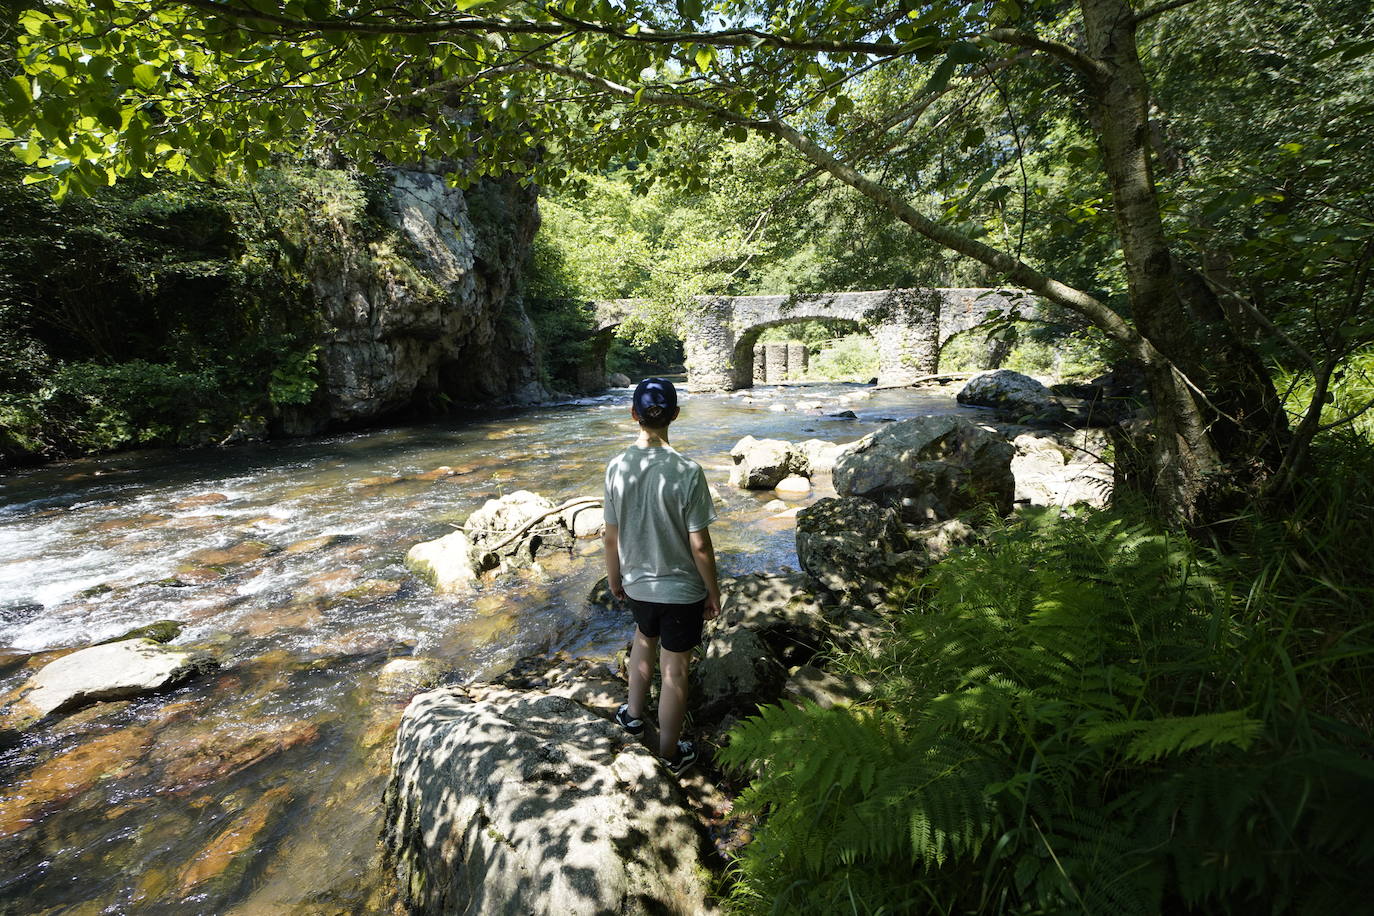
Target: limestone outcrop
(929, 468)
(509, 802)
(428, 313)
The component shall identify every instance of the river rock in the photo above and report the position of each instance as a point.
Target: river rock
(234, 846)
(199, 755)
(491, 527)
(617, 380)
(112, 671)
(847, 544)
(821, 455)
(585, 521)
(760, 464)
(527, 803)
(237, 555)
(502, 516)
(68, 774)
(1012, 392)
(407, 675)
(930, 468)
(1055, 471)
(445, 563)
(793, 486)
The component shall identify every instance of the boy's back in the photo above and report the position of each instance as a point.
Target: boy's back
(657, 497)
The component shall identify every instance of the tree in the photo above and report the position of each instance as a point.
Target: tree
(107, 88)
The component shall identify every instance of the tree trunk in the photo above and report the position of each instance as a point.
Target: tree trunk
(1218, 422)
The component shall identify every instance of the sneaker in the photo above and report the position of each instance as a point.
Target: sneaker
(626, 721)
(686, 756)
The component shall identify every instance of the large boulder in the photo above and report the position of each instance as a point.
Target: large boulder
(445, 563)
(760, 464)
(930, 468)
(526, 803)
(113, 671)
(848, 544)
(1012, 392)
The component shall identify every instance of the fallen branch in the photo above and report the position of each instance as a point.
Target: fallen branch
(585, 502)
(937, 377)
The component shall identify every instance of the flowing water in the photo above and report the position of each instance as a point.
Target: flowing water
(257, 789)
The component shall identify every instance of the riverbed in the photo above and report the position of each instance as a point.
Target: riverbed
(257, 789)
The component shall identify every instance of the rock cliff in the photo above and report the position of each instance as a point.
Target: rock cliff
(423, 311)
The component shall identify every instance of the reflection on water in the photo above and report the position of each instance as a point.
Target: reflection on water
(257, 790)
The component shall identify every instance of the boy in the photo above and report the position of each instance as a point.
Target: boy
(660, 559)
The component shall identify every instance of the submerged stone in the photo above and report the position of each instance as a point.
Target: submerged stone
(233, 846)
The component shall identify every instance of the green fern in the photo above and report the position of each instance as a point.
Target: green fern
(1082, 715)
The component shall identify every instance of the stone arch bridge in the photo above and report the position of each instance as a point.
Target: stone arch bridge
(909, 325)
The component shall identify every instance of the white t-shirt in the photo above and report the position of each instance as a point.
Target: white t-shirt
(656, 497)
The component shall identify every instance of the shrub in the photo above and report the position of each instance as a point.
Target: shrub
(89, 407)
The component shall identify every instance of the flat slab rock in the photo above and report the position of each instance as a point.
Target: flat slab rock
(113, 671)
(527, 803)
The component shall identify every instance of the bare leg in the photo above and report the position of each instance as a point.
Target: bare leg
(672, 701)
(641, 672)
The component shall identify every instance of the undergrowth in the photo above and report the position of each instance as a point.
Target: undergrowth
(1091, 715)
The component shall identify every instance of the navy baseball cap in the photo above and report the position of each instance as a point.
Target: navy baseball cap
(655, 399)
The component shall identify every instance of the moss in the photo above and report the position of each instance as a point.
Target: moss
(164, 631)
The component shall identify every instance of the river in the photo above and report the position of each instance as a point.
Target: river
(257, 789)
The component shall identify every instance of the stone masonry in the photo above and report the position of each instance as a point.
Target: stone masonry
(909, 327)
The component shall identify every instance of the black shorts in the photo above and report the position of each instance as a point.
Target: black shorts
(678, 625)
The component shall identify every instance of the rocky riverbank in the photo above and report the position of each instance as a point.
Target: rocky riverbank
(523, 796)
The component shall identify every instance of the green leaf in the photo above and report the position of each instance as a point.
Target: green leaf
(145, 76)
(962, 52)
(940, 78)
(20, 89)
(704, 56)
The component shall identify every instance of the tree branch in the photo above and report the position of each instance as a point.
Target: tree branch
(1075, 58)
(1019, 272)
(1160, 8)
(730, 38)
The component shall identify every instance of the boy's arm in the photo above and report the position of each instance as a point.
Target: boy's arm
(610, 539)
(704, 555)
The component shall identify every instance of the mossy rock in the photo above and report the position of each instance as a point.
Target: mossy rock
(163, 631)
